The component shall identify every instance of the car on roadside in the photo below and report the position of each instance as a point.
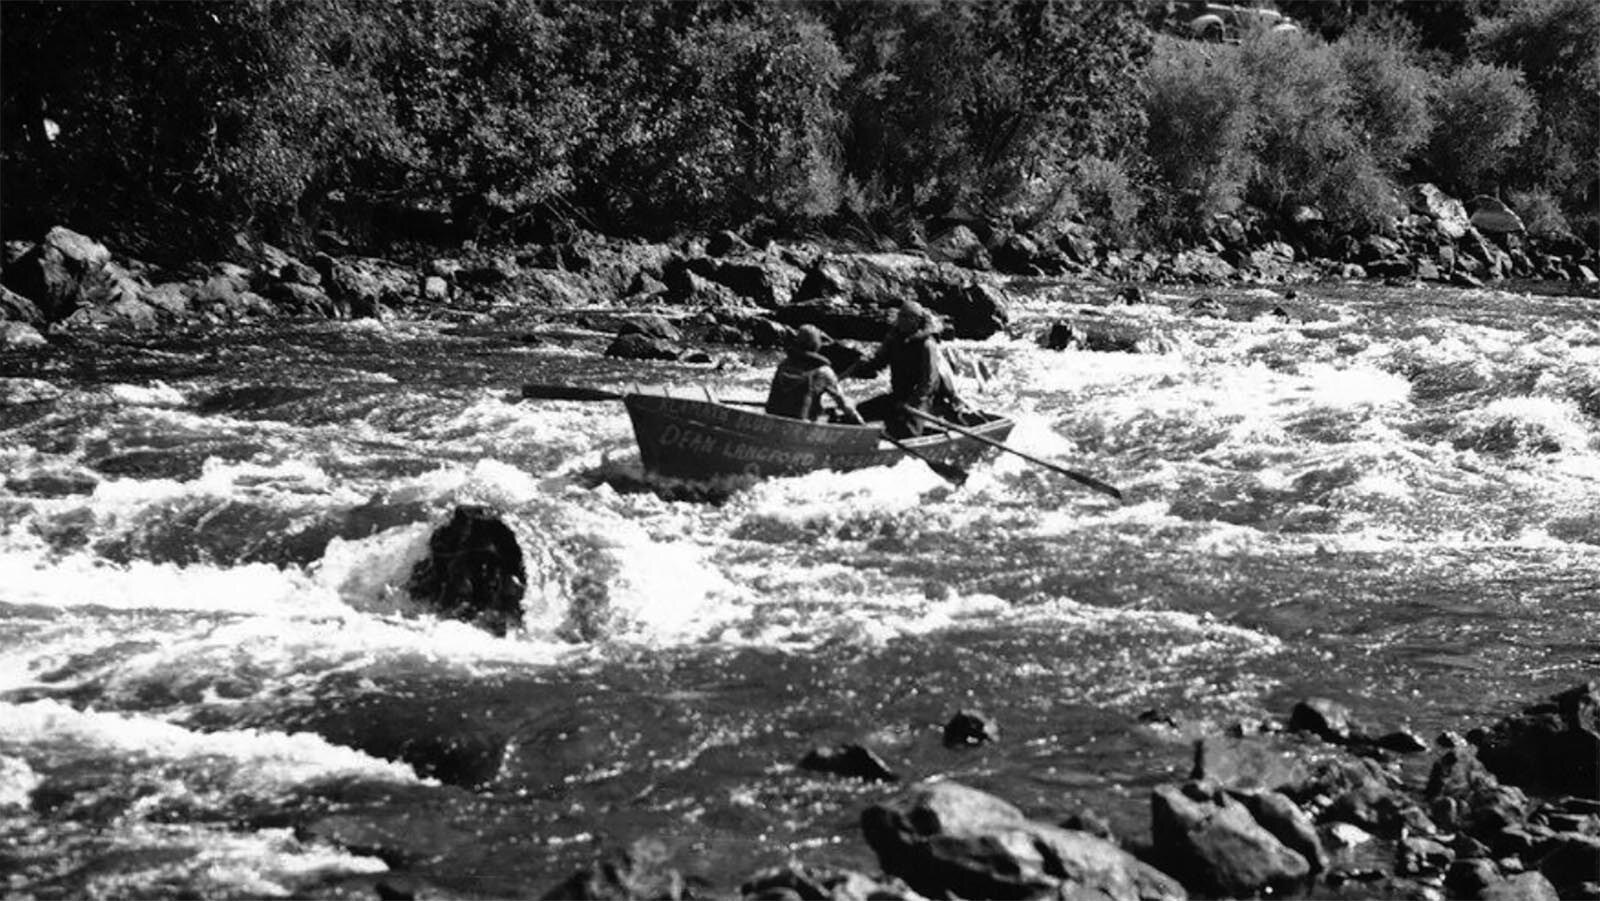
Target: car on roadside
(1229, 24)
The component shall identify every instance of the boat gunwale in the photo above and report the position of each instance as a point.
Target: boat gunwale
(840, 430)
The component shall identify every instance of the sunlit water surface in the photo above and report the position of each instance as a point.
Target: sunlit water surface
(212, 683)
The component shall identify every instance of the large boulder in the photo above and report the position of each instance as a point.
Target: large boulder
(360, 286)
(53, 273)
(1200, 267)
(1492, 217)
(293, 298)
(959, 245)
(838, 318)
(947, 840)
(1215, 847)
(974, 308)
(170, 300)
(16, 308)
(1466, 797)
(1078, 243)
(651, 325)
(638, 346)
(1449, 216)
(1105, 337)
(18, 335)
(473, 572)
(1550, 748)
(767, 280)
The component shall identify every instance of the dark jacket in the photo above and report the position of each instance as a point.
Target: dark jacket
(917, 376)
(800, 383)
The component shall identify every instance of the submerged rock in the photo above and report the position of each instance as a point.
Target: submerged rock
(474, 571)
(970, 727)
(1324, 718)
(947, 840)
(849, 760)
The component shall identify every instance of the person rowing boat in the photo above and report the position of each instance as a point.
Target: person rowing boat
(919, 377)
(804, 378)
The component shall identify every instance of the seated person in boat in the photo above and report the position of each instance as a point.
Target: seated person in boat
(919, 378)
(804, 377)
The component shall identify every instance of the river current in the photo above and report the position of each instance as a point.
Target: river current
(212, 683)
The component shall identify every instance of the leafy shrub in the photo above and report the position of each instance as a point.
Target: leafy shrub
(1540, 212)
(1481, 113)
(961, 106)
(1280, 121)
(1389, 90)
(1555, 44)
(1200, 127)
(1106, 197)
(1299, 101)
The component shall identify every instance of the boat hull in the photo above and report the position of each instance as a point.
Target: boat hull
(686, 438)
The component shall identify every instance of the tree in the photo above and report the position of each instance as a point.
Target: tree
(1482, 112)
(1555, 45)
(956, 106)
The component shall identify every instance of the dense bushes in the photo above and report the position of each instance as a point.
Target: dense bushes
(1555, 44)
(1282, 121)
(1484, 113)
(181, 122)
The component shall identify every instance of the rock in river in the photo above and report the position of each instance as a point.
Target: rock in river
(947, 840)
(474, 571)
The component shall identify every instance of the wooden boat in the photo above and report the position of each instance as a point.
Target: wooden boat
(704, 438)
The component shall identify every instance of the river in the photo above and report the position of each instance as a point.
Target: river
(213, 685)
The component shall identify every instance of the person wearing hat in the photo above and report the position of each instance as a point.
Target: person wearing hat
(804, 377)
(918, 376)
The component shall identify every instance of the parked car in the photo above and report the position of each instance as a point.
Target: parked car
(1218, 22)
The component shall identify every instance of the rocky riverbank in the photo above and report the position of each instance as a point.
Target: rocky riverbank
(723, 290)
(1315, 806)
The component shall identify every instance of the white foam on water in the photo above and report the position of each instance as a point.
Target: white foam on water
(1538, 424)
(1329, 386)
(245, 762)
(295, 481)
(659, 590)
(267, 657)
(821, 497)
(17, 783)
(269, 863)
(155, 394)
(82, 580)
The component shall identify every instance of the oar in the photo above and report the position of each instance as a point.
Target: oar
(558, 391)
(537, 391)
(1080, 478)
(952, 473)
(534, 391)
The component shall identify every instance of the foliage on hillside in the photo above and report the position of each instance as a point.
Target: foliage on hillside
(171, 124)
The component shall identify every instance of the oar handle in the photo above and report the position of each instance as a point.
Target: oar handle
(1080, 478)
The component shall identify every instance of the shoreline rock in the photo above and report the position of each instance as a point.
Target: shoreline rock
(67, 280)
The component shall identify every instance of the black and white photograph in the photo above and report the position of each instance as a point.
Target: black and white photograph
(799, 450)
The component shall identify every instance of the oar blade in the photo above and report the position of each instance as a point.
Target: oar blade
(952, 473)
(1096, 484)
(1080, 478)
